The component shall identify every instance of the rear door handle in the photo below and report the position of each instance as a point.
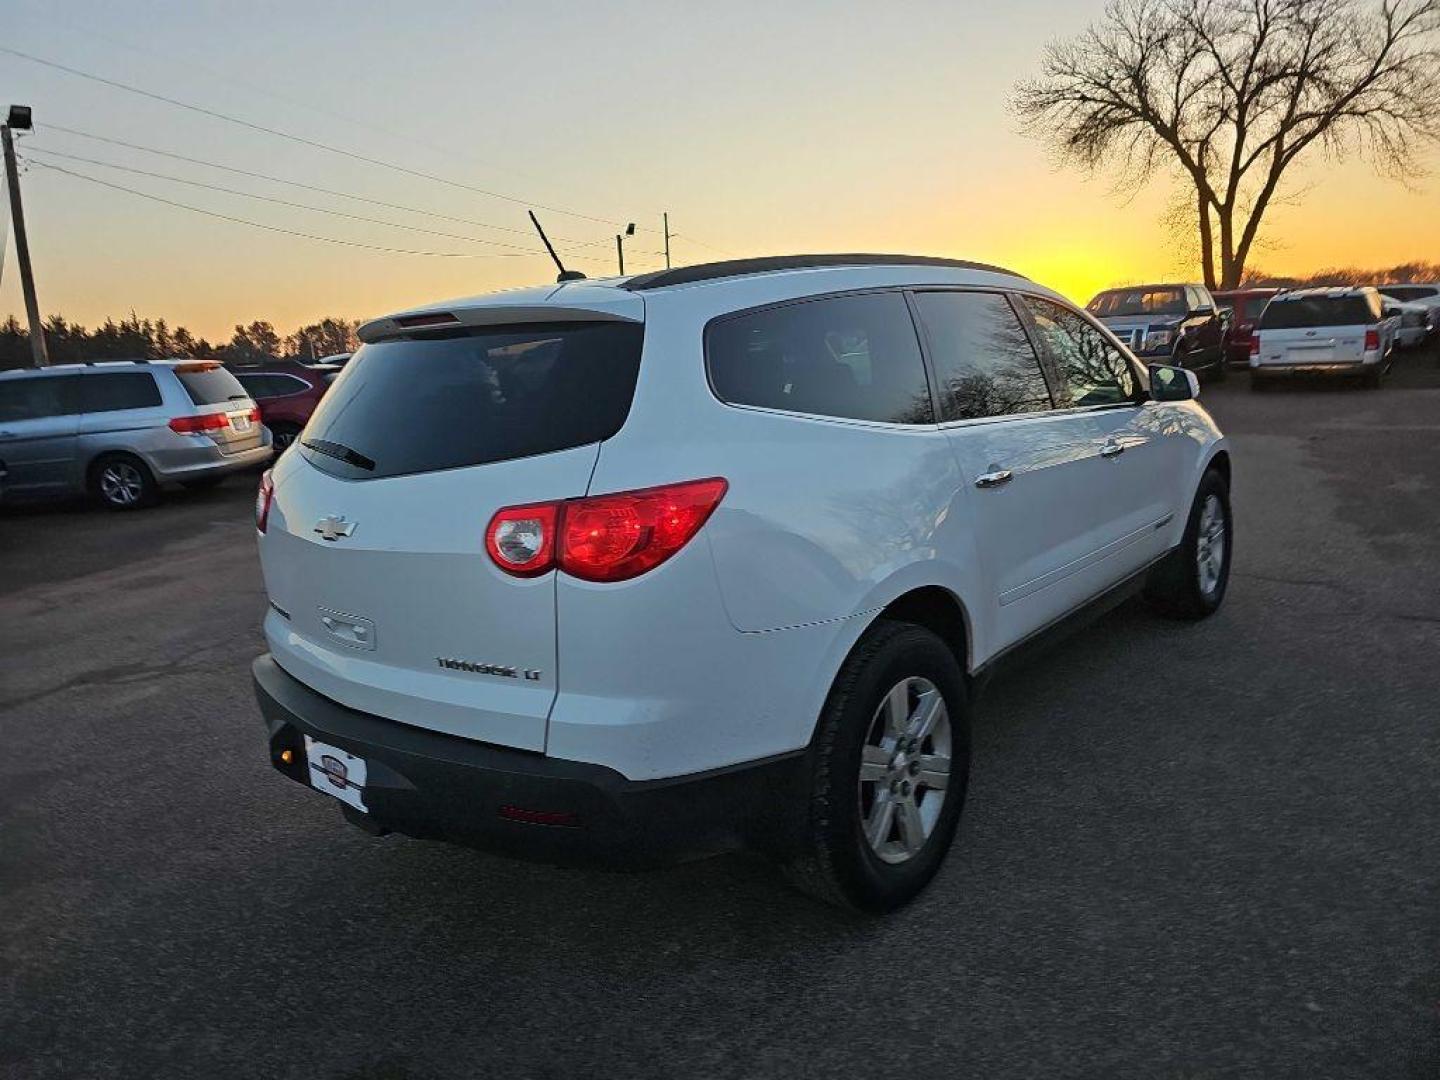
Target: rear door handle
(1111, 449)
(994, 478)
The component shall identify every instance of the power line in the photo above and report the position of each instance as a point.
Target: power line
(279, 229)
(572, 241)
(279, 202)
(203, 111)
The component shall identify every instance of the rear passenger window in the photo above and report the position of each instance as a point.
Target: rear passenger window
(38, 398)
(848, 356)
(983, 358)
(1095, 371)
(112, 392)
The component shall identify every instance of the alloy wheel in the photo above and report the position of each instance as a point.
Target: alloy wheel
(121, 483)
(905, 769)
(1210, 545)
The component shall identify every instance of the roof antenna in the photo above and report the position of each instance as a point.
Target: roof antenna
(564, 275)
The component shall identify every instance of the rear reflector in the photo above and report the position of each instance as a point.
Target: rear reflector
(438, 318)
(194, 425)
(263, 497)
(602, 537)
(1255, 343)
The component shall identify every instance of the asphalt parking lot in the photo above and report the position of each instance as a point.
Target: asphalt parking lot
(1189, 850)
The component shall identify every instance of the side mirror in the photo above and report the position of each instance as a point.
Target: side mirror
(1173, 383)
(1391, 311)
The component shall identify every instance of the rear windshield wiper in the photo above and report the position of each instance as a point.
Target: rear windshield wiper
(340, 452)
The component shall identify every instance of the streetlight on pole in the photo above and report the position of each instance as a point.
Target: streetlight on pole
(620, 245)
(19, 120)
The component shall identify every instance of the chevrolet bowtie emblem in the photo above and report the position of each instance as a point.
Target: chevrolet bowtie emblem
(335, 526)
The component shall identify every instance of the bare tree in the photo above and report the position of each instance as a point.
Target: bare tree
(1226, 95)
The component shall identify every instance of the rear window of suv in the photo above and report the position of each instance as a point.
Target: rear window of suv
(462, 398)
(209, 384)
(1307, 311)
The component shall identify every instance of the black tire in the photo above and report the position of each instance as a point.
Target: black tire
(1178, 587)
(1221, 371)
(122, 482)
(202, 483)
(836, 863)
(283, 435)
(1259, 382)
(1371, 380)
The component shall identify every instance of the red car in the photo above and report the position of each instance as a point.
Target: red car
(287, 394)
(1245, 306)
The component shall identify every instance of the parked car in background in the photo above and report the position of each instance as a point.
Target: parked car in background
(1170, 324)
(1416, 293)
(287, 393)
(1342, 331)
(1416, 322)
(1244, 306)
(121, 430)
(644, 569)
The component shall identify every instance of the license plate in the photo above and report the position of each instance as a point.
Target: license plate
(336, 773)
(240, 423)
(1319, 354)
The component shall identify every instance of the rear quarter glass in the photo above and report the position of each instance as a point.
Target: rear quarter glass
(455, 399)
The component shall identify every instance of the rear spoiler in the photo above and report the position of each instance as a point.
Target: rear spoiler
(628, 309)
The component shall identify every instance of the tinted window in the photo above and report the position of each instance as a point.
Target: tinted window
(1303, 311)
(120, 390)
(209, 384)
(851, 356)
(1144, 300)
(984, 361)
(35, 399)
(1410, 292)
(1095, 371)
(467, 398)
(268, 386)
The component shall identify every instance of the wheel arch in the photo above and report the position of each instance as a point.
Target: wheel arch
(941, 612)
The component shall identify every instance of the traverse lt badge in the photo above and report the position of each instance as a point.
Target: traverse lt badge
(333, 527)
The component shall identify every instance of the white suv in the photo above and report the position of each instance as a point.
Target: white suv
(1345, 331)
(716, 557)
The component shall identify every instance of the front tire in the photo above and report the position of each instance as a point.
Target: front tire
(891, 761)
(1190, 582)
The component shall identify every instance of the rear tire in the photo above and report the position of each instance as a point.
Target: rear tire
(284, 435)
(1190, 583)
(1371, 380)
(123, 482)
(1221, 371)
(890, 764)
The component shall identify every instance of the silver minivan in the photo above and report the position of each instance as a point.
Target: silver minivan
(120, 430)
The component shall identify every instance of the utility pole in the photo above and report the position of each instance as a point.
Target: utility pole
(666, 216)
(620, 252)
(19, 119)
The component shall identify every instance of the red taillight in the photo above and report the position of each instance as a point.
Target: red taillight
(614, 537)
(194, 425)
(254, 415)
(602, 537)
(1255, 343)
(263, 496)
(521, 539)
(1372, 340)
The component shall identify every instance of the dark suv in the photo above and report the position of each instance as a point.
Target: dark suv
(1171, 324)
(287, 394)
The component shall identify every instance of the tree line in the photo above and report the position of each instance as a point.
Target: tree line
(1346, 275)
(134, 338)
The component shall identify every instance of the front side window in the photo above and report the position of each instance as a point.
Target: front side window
(38, 398)
(983, 358)
(118, 390)
(855, 357)
(1095, 371)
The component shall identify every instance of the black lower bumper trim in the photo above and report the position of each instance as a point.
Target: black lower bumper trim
(441, 787)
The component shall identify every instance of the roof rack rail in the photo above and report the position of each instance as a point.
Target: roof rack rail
(686, 275)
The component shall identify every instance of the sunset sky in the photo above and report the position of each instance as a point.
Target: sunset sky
(761, 128)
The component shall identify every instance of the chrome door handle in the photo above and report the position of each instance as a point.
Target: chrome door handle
(994, 479)
(1111, 449)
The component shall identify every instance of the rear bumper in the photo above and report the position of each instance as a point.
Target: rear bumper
(203, 458)
(442, 787)
(1327, 368)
